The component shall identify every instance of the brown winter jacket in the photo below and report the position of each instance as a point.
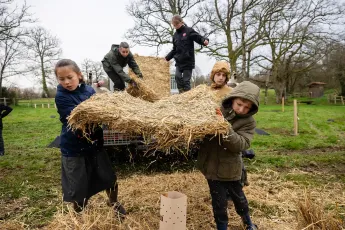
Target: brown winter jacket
(220, 158)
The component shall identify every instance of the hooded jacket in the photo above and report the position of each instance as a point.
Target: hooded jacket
(219, 157)
(183, 47)
(72, 143)
(113, 61)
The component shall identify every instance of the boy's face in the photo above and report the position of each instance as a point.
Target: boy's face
(124, 51)
(241, 106)
(219, 78)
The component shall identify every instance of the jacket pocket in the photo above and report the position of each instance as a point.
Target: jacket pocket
(229, 167)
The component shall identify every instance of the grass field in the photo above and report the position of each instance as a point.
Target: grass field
(286, 167)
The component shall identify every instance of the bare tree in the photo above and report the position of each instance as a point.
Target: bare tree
(97, 70)
(335, 65)
(153, 20)
(44, 49)
(234, 27)
(12, 17)
(12, 53)
(12, 20)
(86, 66)
(290, 34)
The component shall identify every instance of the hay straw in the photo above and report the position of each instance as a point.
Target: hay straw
(142, 90)
(272, 202)
(312, 216)
(173, 121)
(156, 82)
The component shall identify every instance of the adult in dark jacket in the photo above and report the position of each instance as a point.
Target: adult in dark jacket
(183, 52)
(114, 62)
(4, 111)
(85, 166)
(220, 159)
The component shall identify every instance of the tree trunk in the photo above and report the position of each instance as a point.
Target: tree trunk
(244, 56)
(341, 78)
(44, 82)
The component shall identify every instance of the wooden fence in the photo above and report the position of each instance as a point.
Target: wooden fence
(335, 99)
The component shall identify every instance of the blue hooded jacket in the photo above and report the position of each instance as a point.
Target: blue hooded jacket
(72, 144)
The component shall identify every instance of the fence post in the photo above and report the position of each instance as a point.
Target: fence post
(5, 101)
(342, 99)
(283, 101)
(54, 105)
(35, 106)
(48, 105)
(335, 99)
(295, 118)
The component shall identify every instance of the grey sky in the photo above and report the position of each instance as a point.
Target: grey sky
(87, 28)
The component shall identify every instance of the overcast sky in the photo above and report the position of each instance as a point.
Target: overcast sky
(87, 28)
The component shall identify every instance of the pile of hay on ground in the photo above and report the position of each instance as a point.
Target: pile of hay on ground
(156, 83)
(311, 215)
(171, 122)
(271, 197)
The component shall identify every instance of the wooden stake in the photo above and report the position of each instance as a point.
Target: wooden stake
(283, 101)
(295, 118)
(48, 105)
(342, 99)
(335, 99)
(35, 106)
(42, 105)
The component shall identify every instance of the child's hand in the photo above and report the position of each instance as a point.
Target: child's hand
(218, 112)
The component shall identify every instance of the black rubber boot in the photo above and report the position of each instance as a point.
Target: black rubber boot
(120, 211)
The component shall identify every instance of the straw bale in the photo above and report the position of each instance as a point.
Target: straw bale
(173, 121)
(142, 90)
(156, 74)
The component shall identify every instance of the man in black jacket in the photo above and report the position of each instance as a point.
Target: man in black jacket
(114, 61)
(183, 52)
(4, 111)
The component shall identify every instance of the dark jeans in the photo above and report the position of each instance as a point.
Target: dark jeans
(182, 78)
(220, 190)
(119, 84)
(2, 148)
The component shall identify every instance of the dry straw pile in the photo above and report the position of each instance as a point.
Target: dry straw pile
(156, 82)
(173, 121)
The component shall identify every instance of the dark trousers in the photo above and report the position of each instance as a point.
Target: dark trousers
(182, 78)
(2, 148)
(220, 190)
(119, 84)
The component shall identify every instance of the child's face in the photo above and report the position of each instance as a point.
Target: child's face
(176, 24)
(219, 78)
(68, 78)
(124, 51)
(241, 106)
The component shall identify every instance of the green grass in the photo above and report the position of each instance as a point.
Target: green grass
(30, 172)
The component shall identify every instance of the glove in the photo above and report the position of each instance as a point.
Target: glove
(141, 76)
(248, 154)
(133, 83)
